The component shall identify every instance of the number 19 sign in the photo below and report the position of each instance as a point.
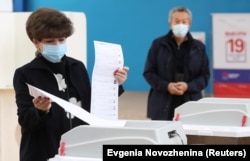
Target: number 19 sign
(236, 46)
(231, 56)
(231, 41)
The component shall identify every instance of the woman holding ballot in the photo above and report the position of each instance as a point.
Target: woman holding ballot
(43, 121)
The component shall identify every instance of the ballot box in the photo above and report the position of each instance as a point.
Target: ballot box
(199, 134)
(86, 141)
(215, 120)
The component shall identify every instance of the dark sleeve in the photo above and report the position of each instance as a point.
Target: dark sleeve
(121, 90)
(152, 68)
(28, 116)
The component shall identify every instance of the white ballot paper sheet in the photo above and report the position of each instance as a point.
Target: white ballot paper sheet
(76, 110)
(104, 90)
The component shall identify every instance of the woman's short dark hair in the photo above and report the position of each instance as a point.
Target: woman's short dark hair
(48, 23)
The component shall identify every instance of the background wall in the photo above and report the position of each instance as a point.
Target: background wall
(135, 23)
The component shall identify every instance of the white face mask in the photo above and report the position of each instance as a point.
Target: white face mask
(180, 30)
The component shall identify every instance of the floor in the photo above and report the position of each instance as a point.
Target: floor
(132, 105)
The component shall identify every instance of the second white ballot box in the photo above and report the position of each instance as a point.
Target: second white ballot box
(216, 120)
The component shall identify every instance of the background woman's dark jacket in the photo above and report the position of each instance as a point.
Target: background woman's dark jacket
(159, 71)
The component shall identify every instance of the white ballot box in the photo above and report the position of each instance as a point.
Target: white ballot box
(86, 141)
(216, 120)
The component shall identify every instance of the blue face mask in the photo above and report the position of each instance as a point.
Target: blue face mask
(54, 53)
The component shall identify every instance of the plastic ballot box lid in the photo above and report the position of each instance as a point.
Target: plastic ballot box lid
(214, 112)
(215, 120)
(87, 140)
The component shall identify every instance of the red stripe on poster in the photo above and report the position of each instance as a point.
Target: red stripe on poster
(233, 90)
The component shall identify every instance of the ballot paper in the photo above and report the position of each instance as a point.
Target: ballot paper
(104, 90)
(76, 110)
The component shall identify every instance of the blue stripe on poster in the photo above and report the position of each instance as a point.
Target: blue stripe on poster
(232, 75)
